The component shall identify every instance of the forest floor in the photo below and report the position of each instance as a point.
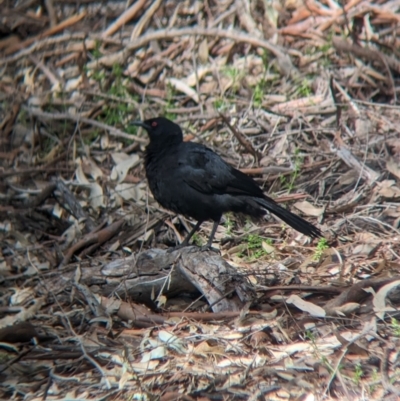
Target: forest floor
(299, 94)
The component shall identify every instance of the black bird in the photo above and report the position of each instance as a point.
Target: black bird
(190, 179)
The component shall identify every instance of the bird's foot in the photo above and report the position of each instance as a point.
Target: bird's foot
(177, 247)
(194, 248)
(209, 248)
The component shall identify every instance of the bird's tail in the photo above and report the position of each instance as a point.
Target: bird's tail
(298, 223)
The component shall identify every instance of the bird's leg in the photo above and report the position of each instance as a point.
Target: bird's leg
(185, 242)
(190, 235)
(208, 246)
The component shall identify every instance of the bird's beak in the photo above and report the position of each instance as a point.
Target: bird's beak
(141, 124)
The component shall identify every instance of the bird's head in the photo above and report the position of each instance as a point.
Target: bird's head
(161, 129)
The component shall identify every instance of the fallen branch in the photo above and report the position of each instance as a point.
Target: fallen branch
(79, 119)
(51, 31)
(283, 58)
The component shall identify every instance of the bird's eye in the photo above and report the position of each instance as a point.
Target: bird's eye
(154, 124)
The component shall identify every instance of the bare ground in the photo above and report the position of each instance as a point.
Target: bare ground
(302, 95)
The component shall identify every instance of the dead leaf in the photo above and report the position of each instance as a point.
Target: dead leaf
(125, 377)
(269, 249)
(308, 209)
(388, 190)
(208, 87)
(203, 51)
(309, 307)
(354, 348)
(348, 178)
(24, 314)
(80, 175)
(259, 339)
(347, 309)
(181, 86)
(157, 350)
(22, 296)
(362, 127)
(96, 197)
(379, 300)
(128, 191)
(124, 163)
(105, 141)
(90, 168)
(197, 76)
(366, 249)
(393, 167)
(204, 348)
(143, 367)
(172, 341)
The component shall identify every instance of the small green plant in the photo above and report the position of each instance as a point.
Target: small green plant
(170, 116)
(266, 58)
(197, 239)
(302, 87)
(305, 89)
(228, 224)
(321, 247)
(235, 74)
(117, 70)
(169, 102)
(23, 116)
(89, 137)
(326, 62)
(116, 113)
(254, 241)
(98, 76)
(258, 254)
(309, 335)
(289, 184)
(258, 93)
(117, 87)
(395, 324)
(254, 247)
(96, 53)
(309, 50)
(220, 104)
(46, 145)
(325, 47)
(232, 72)
(358, 374)
(374, 378)
(326, 50)
(130, 129)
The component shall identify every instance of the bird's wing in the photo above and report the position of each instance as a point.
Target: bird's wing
(206, 172)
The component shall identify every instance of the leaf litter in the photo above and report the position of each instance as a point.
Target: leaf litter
(300, 95)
